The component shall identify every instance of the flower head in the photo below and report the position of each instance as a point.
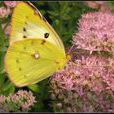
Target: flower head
(22, 100)
(4, 12)
(6, 28)
(100, 5)
(10, 4)
(26, 98)
(2, 99)
(85, 85)
(96, 32)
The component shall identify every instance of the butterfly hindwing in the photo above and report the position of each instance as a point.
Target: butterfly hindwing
(32, 60)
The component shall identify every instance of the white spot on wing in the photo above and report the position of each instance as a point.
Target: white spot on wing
(36, 55)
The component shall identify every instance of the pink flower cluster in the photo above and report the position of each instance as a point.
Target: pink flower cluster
(27, 97)
(96, 32)
(10, 4)
(6, 28)
(100, 5)
(95, 72)
(21, 101)
(85, 85)
(5, 11)
(94, 4)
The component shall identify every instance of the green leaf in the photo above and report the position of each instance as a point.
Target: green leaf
(54, 13)
(34, 87)
(8, 88)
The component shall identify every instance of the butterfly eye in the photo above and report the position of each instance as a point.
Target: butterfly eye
(46, 35)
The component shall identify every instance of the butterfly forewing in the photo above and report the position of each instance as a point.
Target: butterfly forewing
(27, 22)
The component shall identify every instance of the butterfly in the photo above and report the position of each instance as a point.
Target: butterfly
(36, 50)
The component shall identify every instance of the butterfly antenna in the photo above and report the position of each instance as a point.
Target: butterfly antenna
(70, 50)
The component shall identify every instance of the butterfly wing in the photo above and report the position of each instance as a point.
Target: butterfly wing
(27, 22)
(32, 60)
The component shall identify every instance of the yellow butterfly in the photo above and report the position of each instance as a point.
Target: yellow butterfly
(35, 51)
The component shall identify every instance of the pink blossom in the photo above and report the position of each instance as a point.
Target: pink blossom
(27, 96)
(4, 12)
(14, 98)
(2, 99)
(10, 3)
(85, 85)
(100, 5)
(25, 106)
(92, 4)
(90, 71)
(100, 2)
(96, 32)
(6, 28)
(24, 100)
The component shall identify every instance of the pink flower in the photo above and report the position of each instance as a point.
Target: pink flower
(96, 32)
(100, 5)
(25, 106)
(22, 99)
(6, 28)
(87, 71)
(92, 4)
(14, 98)
(2, 99)
(4, 12)
(27, 97)
(85, 85)
(10, 4)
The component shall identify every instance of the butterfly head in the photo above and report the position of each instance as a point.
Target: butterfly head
(62, 62)
(68, 57)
